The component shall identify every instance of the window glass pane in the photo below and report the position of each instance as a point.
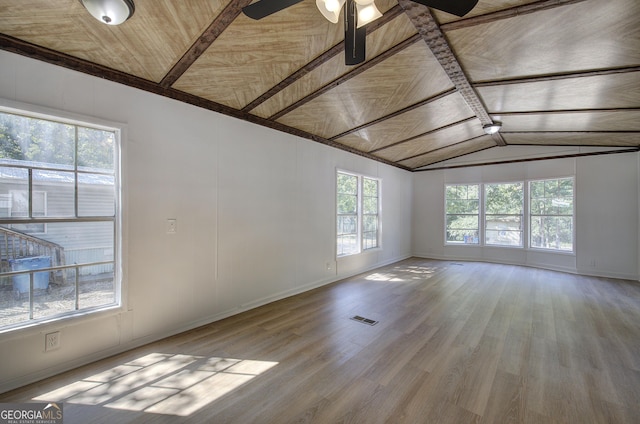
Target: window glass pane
(462, 209)
(96, 195)
(551, 221)
(36, 140)
(62, 266)
(370, 187)
(548, 232)
(59, 187)
(503, 230)
(96, 149)
(348, 224)
(462, 229)
(504, 198)
(370, 205)
(347, 244)
(347, 203)
(97, 286)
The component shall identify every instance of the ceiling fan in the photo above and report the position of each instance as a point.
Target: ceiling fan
(357, 14)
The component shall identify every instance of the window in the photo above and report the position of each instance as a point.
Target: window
(551, 214)
(58, 227)
(462, 209)
(501, 220)
(358, 213)
(503, 213)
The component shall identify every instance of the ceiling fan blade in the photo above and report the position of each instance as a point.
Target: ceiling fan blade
(455, 7)
(263, 8)
(354, 38)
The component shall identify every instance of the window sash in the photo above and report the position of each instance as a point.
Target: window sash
(540, 211)
(357, 213)
(49, 284)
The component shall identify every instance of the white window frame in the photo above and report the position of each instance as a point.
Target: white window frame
(526, 216)
(478, 215)
(523, 225)
(359, 248)
(573, 215)
(118, 130)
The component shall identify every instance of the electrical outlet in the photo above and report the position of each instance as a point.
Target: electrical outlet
(51, 341)
(172, 226)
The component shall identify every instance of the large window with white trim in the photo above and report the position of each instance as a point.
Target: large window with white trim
(462, 213)
(59, 192)
(493, 214)
(357, 213)
(551, 214)
(503, 214)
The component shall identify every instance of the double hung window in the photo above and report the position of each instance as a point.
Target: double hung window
(59, 194)
(495, 214)
(358, 213)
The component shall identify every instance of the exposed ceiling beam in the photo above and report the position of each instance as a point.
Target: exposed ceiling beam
(53, 57)
(506, 13)
(389, 15)
(430, 32)
(219, 24)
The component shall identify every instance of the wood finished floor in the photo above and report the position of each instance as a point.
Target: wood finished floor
(455, 343)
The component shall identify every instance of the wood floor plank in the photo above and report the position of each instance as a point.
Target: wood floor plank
(455, 342)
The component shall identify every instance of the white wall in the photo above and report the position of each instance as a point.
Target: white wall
(254, 209)
(606, 208)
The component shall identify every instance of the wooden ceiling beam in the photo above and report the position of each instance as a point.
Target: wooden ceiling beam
(506, 13)
(219, 24)
(430, 32)
(388, 16)
(53, 57)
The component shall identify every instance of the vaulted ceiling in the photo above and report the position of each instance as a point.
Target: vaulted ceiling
(553, 72)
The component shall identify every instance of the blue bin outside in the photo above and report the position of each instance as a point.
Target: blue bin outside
(40, 279)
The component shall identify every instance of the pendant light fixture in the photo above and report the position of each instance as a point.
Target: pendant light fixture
(367, 10)
(110, 12)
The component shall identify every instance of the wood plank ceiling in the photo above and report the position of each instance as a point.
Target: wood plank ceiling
(553, 72)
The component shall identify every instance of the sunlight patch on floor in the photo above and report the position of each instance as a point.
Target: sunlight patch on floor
(171, 384)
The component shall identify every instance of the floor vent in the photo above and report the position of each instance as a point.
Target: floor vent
(364, 320)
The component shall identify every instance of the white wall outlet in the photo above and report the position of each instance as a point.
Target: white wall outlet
(172, 226)
(51, 341)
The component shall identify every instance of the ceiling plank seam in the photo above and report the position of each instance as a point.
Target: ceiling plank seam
(505, 162)
(559, 76)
